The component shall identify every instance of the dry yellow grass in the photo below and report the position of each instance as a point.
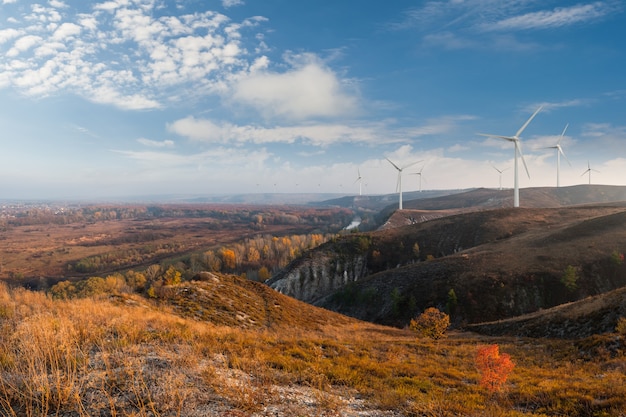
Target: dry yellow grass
(127, 356)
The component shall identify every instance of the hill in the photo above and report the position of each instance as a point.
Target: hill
(576, 320)
(229, 347)
(416, 210)
(481, 266)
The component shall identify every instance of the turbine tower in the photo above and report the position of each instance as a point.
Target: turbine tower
(500, 171)
(589, 169)
(420, 174)
(559, 152)
(359, 179)
(518, 153)
(399, 184)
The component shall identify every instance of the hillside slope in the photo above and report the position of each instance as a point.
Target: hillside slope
(417, 210)
(578, 319)
(499, 263)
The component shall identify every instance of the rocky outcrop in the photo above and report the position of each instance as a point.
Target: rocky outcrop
(318, 274)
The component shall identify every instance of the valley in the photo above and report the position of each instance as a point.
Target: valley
(161, 333)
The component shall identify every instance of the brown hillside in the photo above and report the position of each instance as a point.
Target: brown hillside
(578, 319)
(483, 198)
(500, 263)
(228, 300)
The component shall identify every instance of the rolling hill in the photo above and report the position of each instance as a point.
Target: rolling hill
(483, 263)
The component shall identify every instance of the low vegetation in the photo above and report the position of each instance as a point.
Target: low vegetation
(125, 355)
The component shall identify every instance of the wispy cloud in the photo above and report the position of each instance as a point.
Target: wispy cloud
(474, 24)
(321, 134)
(232, 3)
(156, 144)
(558, 17)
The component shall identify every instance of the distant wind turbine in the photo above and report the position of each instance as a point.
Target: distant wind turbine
(500, 171)
(399, 184)
(420, 174)
(559, 152)
(359, 179)
(518, 152)
(589, 169)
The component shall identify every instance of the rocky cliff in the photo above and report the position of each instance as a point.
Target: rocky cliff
(318, 274)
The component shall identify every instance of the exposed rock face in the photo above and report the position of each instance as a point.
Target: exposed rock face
(313, 277)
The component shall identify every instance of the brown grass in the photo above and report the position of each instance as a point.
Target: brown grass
(129, 357)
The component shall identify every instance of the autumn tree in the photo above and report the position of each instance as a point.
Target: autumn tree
(172, 276)
(264, 274)
(494, 367)
(431, 323)
(229, 260)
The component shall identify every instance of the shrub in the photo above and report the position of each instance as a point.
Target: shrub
(570, 278)
(617, 258)
(431, 323)
(494, 367)
(621, 326)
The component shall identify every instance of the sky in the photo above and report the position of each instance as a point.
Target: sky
(130, 98)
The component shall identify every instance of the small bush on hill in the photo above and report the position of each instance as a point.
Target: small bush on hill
(570, 278)
(621, 326)
(431, 323)
(494, 367)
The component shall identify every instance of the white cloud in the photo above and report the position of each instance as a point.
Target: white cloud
(65, 31)
(58, 4)
(8, 34)
(231, 3)
(123, 55)
(315, 134)
(559, 17)
(308, 90)
(23, 44)
(156, 144)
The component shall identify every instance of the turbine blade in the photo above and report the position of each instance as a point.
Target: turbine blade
(394, 165)
(521, 129)
(563, 134)
(411, 164)
(509, 138)
(563, 153)
(519, 149)
(398, 182)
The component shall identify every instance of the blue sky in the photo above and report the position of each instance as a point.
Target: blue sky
(121, 98)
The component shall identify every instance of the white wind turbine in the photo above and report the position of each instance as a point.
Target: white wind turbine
(518, 152)
(420, 174)
(359, 179)
(589, 169)
(399, 184)
(500, 171)
(559, 152)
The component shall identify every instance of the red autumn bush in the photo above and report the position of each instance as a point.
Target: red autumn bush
(494, 367)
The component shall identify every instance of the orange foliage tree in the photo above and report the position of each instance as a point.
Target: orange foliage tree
(229, 259)
(431, 323)
(494, 367)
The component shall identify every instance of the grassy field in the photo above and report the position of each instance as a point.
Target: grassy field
(125, 355)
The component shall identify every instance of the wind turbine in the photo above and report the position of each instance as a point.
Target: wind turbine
(518, 152)
(359, 179)
(500, 171)
(589, 169)
(559, 152)
(420, 174)
(399, 184)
